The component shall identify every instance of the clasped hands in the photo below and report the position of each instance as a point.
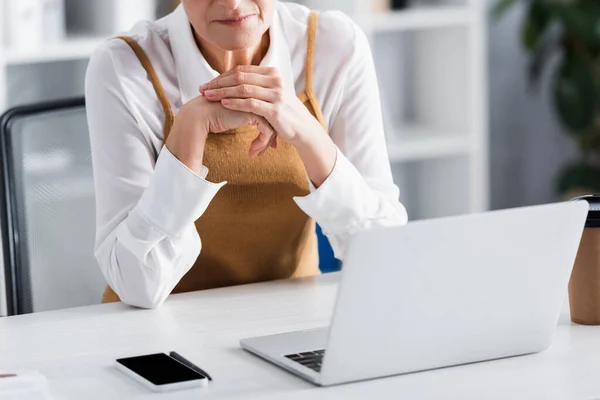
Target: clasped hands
(251, 95)
(260, 91)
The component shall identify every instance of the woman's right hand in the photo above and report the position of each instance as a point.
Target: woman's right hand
(197, 118)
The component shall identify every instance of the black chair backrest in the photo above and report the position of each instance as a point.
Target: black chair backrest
(47, 208)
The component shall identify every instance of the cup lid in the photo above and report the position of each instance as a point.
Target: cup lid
(593, 219)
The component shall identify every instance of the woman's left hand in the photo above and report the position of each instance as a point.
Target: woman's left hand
(259, 90)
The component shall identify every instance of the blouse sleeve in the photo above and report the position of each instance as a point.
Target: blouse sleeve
(145, 207)
(360, 193)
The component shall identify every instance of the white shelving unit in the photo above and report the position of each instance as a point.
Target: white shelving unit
(418, 19)
(97, 15)
(419, 144)
(71, 49)
(432, 64)
(432, 68)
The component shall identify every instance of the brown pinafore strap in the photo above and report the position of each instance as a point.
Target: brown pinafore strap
(307, 96)
(153, 77)
(311, 43)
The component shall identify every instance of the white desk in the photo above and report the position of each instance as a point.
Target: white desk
(75, 349)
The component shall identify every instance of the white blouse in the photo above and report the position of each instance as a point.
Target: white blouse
(147, 200)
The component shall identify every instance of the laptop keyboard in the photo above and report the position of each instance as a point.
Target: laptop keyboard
(310, 359)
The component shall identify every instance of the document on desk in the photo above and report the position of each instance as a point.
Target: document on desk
(23, 386)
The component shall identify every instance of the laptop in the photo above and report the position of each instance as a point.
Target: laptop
(439, 293)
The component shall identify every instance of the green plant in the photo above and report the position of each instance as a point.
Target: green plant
(564, 36)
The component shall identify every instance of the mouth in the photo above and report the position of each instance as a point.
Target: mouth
(238, 21)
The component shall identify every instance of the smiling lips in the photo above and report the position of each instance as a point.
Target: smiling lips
(239, 21)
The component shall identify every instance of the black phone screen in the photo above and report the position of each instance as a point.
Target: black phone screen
(160, 369)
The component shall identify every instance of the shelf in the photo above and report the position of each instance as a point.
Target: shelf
(78, 48)
(415, 144)
(420, 18)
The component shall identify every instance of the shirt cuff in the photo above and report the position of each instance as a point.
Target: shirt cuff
(338, 204)
(176, 195)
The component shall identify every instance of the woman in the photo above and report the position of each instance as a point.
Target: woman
(270, 120)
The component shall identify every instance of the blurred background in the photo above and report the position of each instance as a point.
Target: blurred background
(488, 104)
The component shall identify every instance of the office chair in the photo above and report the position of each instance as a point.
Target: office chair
(47, 208)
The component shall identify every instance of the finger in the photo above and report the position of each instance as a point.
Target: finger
(260, 110)
(272, 143)
(244, 91)
(253, 106)
(242, 78)
(242, 71)
(263, 140)
(260, 144)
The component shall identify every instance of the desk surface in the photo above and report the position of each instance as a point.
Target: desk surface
(75, 350)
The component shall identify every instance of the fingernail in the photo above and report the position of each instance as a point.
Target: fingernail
(210, 92)
(225, 102)
(204, 87)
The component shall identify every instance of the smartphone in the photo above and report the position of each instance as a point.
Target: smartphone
(161, 373)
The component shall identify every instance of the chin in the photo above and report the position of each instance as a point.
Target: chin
(236, 44)
(236, 38)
